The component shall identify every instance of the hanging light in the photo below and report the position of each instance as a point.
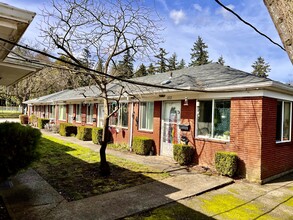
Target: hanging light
(185, 101)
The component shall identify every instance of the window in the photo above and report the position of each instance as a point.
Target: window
(283, 129)
(78, 113)
(89, 113)
(100, 115)
(52, 111)
(62, 112)
(146, 115)
(213, 119)
(120, 118)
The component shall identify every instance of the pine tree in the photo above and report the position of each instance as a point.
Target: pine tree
(261, 68)
(199, 54)
(151, 69)
(182, 64)
(173, 63)
(141, 71)
(125, 66)
(162, 61)
(221, 60)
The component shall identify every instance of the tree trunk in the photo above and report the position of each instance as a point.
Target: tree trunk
(104, 166)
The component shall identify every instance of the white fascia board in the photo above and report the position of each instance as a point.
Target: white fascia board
(17, 14)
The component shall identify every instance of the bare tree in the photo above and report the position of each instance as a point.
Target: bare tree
(107, 29)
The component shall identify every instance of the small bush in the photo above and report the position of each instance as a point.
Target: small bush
(226, 163)
(42, 122)
(183, 154)
(97, 135)
(18, 147)
(142, 145)
(84, 133)
(33, 120)
(67, 129)
(23, 119)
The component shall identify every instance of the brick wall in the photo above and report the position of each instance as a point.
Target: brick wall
(275, 158)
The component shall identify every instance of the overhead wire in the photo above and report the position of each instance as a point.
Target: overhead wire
(250, 25)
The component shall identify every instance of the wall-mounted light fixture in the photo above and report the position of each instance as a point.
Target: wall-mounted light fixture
(185, 101)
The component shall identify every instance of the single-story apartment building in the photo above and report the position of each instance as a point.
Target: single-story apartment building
(217, 109)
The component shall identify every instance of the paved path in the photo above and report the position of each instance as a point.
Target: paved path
(33, 198)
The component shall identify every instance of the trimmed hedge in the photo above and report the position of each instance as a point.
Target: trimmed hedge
(84, 133)
(142, 145)
(183, 154)
(67, 129)
(33, 119)
(97, 135)
(23, 119)
(42, 122)
(18, 147)
(226, 163)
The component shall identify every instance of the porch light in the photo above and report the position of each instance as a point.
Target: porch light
(185, 101)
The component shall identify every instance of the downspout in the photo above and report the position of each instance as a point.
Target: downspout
(131, 127)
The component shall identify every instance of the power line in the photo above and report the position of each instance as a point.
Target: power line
(250, 25)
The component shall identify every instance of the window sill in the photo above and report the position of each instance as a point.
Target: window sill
(212, 140)
(283, 142)
(146, 131)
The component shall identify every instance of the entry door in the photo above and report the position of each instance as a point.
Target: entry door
(170, 133)
(70, 114)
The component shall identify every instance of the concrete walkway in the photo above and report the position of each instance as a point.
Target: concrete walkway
(33, 198)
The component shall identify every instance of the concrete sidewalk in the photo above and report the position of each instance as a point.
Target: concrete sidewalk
(33, 198)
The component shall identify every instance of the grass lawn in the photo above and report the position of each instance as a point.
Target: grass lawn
(74, 170)
(9, 114)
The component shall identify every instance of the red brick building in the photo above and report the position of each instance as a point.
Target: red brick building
(216, 108)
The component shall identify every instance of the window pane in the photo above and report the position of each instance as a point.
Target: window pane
(78, 113)
(124, 115)
(204, 118)
(89, 113)
(114, 118)
(100, 115)
(279, 121)
(62, 112)
(286, 122)
(146, 115)
(222, 119)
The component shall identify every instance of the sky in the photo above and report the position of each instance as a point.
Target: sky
(223, 33)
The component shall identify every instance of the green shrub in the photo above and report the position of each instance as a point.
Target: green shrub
(226, 163)
(142, 145)
(97, 135)
(18, 147)
(9, 114)
(42, 122)
(84, 133)
(23, 119)
(33, 120)
(183, 154)
(67, 129)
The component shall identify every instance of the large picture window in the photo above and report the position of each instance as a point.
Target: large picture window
(78, 113)
(89, 113)
(120, 118)
(283, 129)
(62, 112)
(146, 115)
(213, 119)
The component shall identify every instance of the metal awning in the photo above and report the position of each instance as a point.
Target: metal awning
(13, 23)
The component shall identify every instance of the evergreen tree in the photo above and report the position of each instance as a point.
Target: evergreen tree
(162, 61)
(151, 69)
(221, 60)
(182, 64)
(125, 66)
(141, 71)
(173, 63)
(260, 68)
(199, 54)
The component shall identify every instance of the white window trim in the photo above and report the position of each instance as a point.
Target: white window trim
(212, 130)
(100, 119)
(140, 118)
(282, 124)
(91, 113)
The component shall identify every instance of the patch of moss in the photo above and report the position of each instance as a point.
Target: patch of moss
(289, 202)
(230, 207)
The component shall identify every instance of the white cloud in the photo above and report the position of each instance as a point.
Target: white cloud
(177, 16)
(197, 7)
(222, 11)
